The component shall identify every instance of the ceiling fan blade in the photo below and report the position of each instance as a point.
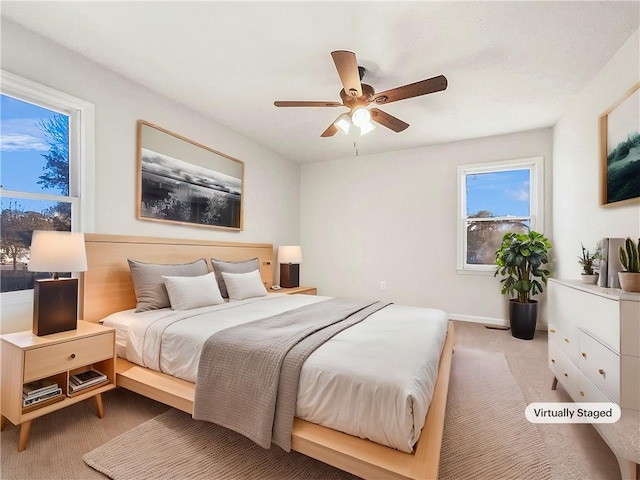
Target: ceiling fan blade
(423, 87)
(347, 67)
(331, 130)
(386, 120)
(306, 104)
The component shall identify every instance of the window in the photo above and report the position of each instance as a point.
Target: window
(496, 198)
(45, 170)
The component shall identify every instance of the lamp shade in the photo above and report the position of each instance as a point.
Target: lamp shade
(53, 251)
(289, 254)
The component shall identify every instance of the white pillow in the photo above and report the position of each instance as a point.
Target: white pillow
(244, 285)
(186, 293)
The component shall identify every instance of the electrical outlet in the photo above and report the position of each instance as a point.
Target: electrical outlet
(383, 285)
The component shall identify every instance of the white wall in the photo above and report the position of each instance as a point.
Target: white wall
(271, 188)
(578, 216)
(392, 217)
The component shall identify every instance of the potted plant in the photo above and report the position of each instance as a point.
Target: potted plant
(520, 260)
(588, 262)
(630, 261)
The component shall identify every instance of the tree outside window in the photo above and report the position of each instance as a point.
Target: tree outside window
(495, 199)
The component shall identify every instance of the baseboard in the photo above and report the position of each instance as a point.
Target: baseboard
(490, 320)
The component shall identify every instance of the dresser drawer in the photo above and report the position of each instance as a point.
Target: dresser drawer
(589, 392)
(571, 307)
(601, 318)
(601, 365)
(45, 361)
(564, 370)
(566, 339)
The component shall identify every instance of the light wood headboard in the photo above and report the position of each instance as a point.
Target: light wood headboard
(107, 287)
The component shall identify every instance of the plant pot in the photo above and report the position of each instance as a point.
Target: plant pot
(590, 279)
(523, 318)
(629, 281)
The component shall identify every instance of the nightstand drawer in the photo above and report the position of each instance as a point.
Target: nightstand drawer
(45, 361)
(310, 291)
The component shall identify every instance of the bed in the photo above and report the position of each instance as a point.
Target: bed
(107, 288)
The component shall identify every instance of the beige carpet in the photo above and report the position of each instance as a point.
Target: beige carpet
(486, 437)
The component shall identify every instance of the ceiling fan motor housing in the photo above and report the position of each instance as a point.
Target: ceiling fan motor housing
(362, 101)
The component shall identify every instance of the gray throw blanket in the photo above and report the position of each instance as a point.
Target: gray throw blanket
(248, 375)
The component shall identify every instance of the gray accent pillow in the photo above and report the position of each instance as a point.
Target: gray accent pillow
(244, 266)
(148, 283)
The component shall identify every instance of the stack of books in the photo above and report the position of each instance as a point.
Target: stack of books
(87, 379)
(38, 391)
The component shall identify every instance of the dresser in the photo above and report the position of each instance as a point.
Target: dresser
(594, 350)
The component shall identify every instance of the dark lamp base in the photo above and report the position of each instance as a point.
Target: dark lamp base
(289, 275)
(55, 306)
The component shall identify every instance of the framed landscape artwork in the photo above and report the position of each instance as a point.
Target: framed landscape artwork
(620, 150)
(184, 182)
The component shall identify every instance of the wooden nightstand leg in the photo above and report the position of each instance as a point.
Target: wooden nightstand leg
(554, 384)
(99, 406)
(3, 422)
(24, 435)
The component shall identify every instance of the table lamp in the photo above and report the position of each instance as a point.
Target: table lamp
(55, 300)
(289, 258)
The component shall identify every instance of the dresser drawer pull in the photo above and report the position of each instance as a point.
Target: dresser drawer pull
(567, 340)
(73, 355)
(566, 375)
(553, 360)
(581, 393)
(601, 371)
(584, 354)
(553, 330)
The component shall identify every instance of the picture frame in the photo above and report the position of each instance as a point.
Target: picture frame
(620, 150)
(184, 182)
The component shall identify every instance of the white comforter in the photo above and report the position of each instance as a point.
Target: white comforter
(374, 380)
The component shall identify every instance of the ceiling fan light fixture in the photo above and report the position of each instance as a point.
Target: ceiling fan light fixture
(360, 116)
(366, 128)
(343, 123)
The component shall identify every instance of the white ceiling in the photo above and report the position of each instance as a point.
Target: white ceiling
(511, 66)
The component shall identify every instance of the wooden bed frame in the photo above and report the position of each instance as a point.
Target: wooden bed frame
(107, 288)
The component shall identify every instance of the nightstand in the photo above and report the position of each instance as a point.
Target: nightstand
(27, 357)
(293, 290)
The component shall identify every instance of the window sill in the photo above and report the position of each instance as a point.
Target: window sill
(489, 272)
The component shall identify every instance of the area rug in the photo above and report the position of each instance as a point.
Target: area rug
(486, 437)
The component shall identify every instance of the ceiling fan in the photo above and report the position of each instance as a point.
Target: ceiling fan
(357, 96)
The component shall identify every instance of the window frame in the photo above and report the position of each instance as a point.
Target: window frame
(535, 165)
(81, 156)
